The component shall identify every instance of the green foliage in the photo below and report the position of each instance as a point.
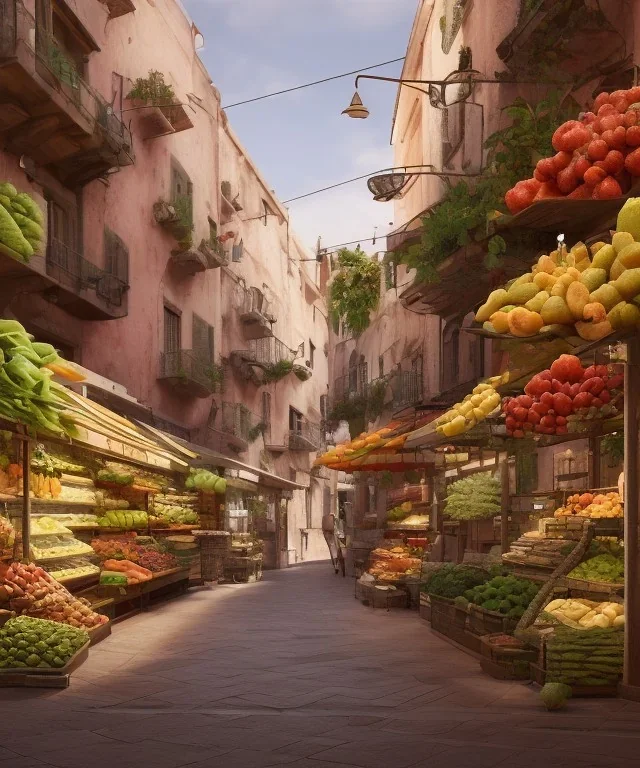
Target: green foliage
(254, 433)
(215, 374)
(353, 407)
(276, 371)
(607, 568)
(463, 213)
(612, 446)
(376, 396)
(453, 581)
(473, 498)
(152, 89)
(507, 595)
(386, 479)
(354, 291)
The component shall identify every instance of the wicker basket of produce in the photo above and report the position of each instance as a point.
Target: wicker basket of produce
(506, 658)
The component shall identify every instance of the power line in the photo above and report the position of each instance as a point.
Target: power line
(325, 189)
(316, 82)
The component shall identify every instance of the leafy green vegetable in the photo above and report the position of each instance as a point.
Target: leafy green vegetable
(507, 595)
(606, 568)
(11, 235)
(473, 498)
(452, 581)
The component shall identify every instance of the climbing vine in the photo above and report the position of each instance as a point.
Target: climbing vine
(355, 290)
(464, 212)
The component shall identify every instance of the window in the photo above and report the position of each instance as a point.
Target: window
(63, 223)
(62, 42)
(116, 256)
(363, 375)
(295, 420)
(312, 351)
(381, 366)
(172, 331)
(353, 372)
(323, 407)
(202, 337)
(266, 412)
(182, 194)
(266, 212)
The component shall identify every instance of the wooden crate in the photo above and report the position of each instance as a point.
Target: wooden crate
(483, 622)
(44, 678)
(505, 662)
(538, 675)
(445, 612)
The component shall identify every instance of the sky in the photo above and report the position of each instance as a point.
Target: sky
(300, 141)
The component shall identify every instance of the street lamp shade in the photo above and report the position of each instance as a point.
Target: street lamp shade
(356, 109)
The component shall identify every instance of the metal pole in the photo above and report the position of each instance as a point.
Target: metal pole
(505, 503)
(26, 499)
(631, 677)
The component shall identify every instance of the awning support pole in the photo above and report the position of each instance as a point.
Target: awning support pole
(630, 687)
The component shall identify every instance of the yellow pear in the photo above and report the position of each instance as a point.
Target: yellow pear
(617, 268)
(537, 302)
(544, 280)
(604, 258)
(629, 256)
(576, 297)
(556, 310)
(624, 316)
(606, 295)
(495, 301)
(500, 321)
(593, 278)
(621, 240)
(520, 294)
(628, 284)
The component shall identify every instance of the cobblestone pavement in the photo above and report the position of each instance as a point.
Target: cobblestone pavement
(293, 671)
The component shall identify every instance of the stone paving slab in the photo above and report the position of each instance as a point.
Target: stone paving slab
(293, 671)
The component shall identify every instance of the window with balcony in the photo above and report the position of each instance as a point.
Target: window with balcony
(63, 258)
(61, 42)
(172, 331)
(202, 336)
(295, 420)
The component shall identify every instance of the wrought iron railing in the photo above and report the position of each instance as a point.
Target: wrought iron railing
(270, 351)
(239, 421)
(407, 388)
(255, 302)
(74, 272)
(188, 365)
(18, 25)
(307, 436)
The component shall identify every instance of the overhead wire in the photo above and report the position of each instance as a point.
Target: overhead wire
(316, 82)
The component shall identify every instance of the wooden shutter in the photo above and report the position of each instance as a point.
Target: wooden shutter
(266, 409)
(116, 256)
(172, 331)
(323, 406)
(202, 339)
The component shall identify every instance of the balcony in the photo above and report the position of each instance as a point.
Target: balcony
(81, 288)
(407, 389)
(195, 260)
(49, 113)
(188, 373)
(240, 426)
(306, 437)
(270, 356)
(255, 315)
(156, 108)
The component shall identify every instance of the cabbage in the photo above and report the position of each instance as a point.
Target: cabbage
(199, 479)
(221, 485)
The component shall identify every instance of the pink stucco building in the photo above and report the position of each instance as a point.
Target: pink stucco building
(169, 267)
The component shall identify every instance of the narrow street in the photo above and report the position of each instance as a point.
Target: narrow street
(293, 671)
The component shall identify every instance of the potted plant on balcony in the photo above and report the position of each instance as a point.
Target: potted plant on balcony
(302, 372)
(177, 217)
(152, 91)
(276, 371)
